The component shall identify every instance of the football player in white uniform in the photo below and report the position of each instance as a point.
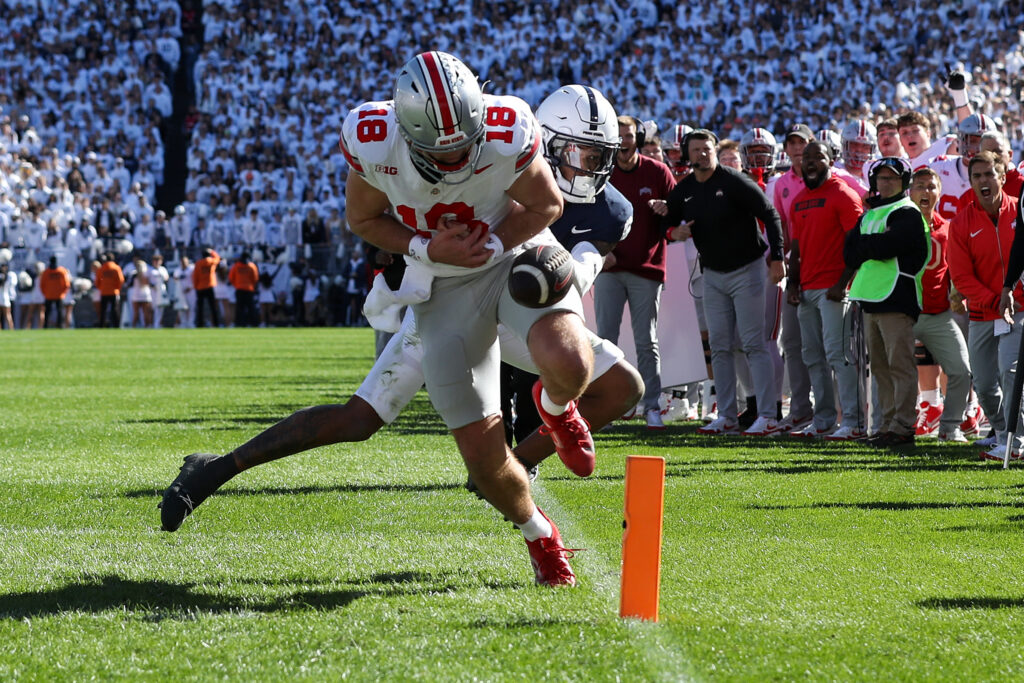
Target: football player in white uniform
(859, 146)
(953, 170)
(379, 401)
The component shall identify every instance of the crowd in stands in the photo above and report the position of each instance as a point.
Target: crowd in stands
(87, 94)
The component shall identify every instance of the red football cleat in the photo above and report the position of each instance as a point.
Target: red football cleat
(571, 434)
(549, 559)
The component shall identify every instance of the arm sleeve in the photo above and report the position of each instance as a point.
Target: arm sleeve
(851, 248)
(758, 203)
(674, 202)
(902, 237)
(1015, 266)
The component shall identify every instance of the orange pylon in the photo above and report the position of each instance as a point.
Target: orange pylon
(641, 537)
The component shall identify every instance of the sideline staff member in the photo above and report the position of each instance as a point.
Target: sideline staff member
(720, 208)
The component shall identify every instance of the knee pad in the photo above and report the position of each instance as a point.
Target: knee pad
(922, 355)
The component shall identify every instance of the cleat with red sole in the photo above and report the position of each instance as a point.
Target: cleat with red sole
(571, 434)
(550, 559)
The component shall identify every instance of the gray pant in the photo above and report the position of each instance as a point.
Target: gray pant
(825, 339)
(734, 305)
(942, 337)
(993, 362)
(612, 291)
(792, 352)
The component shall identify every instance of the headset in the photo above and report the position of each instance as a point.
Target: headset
(897, 164)
(697, 133)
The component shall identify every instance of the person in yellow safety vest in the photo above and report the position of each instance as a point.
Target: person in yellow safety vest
(888, 249)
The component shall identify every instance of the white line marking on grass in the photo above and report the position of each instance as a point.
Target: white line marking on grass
(604, 575)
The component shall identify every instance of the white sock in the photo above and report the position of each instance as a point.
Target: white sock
(549, 406)
(931, 397)
(536, 527)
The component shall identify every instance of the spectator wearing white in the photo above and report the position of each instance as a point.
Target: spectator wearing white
(121, 175)
(143, 232)
(158, 279)
(179, 228)
(184, 293)
(140, 294)
(8, 293)
(253, 229)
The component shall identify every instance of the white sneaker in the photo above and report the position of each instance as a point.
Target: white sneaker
(675, 409)
(954, 435)
(720, 426)
(812, 432)
(846, 434)
(791, 422)
(763, 426)
(654, 420)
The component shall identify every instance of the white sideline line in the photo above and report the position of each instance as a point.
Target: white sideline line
(604, 575)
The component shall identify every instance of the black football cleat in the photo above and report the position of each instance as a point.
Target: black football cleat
(190, 488)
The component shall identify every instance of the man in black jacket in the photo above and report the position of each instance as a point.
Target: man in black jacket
(720, 208)
(888, 249)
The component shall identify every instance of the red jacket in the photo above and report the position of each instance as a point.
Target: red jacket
(935, 280)
(978, 254)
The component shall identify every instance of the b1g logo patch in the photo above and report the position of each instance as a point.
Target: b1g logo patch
(386, 170)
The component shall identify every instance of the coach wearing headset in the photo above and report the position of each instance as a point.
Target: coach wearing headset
(720, 207)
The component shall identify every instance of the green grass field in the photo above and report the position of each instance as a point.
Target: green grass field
(369, 561)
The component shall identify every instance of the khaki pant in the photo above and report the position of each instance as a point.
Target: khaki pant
(890, 338)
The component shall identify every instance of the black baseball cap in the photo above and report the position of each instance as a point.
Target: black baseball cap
(802, 130)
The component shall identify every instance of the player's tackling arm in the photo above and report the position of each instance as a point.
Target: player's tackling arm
(538, 204)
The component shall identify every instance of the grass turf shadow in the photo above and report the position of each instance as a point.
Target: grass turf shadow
(305, 490)
(160, 600)
(964, 603)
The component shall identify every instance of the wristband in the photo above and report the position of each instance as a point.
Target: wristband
(959, 97)
(495, 245)
(418, 249)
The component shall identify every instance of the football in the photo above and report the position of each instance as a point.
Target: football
(541, 276)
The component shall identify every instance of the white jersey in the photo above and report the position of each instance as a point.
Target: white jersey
(953, 174)
(856, 182)
(375, 149)
(937, 150)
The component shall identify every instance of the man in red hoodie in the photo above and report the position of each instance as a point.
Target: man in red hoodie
(639, 271)
(979, 251)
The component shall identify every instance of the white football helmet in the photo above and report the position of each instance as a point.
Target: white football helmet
(581, 135)
(440, 109)
(830, 138)
(862, 132)
(969, 132)
(762, 158)
(672, 146)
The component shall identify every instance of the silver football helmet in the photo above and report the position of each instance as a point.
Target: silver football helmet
(969, 132)
(862, 132)
(440, 110)
(764, 156)
(831, 139)
(581, 135)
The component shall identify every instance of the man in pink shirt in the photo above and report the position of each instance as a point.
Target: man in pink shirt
(782, 189)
